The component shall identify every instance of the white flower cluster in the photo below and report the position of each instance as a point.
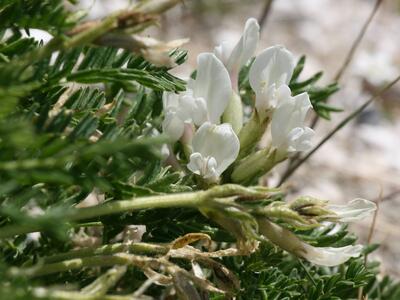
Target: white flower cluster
(194, 116)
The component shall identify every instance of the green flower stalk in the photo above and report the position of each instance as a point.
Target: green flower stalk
(194, 199)
(256, 165)
(233, 113)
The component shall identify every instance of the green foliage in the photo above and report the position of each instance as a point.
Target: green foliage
(87, 118)
(49, 15)
(318, 95)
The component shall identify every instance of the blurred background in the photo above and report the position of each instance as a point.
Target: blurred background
(363, 159)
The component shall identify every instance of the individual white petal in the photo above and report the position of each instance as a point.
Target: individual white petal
(299, 139)
(170, 99)
(188, 132)
(219, 142)
(287, 125)
(223, 52)
(211, 169)
(200, 113)
(283, 93)
(287, 240)
(195, 163)
(279, 123)
(212, 84)
(329, 256)
(302, 104)
(356, 209)
(165, 151)
(273, 65)
(203, 166)
(173, 125)
(186, 107)
(266, 99)
(272, 68)
(246, 46)
(183, 107)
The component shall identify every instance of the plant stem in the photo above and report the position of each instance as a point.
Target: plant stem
(262, 20)
(120, 259)
(68, 295)
(135, 248)
(106, 281)
(76, 263)
(252, 132)
(256, 165)
(192, 199)
(114, 207)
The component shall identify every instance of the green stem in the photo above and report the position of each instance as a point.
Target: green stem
(256, 165)
(192, 199)
(73, 264)
(118, 259)
(114, 207)
(252, 132)
(102, 284)
(88, 224)
(233, 114)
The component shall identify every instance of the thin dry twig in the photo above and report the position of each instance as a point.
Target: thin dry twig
(342, 69)
(262, 20)
(391, 195)
(352, 51)
(344, 122)
(357, 42)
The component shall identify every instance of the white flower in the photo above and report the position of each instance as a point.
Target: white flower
(356, 209)
(329, 256)
(235, 57)
(215, 147)
(205, 99)
(181, 109)
(271, 69)
(213, 85)
(287, 126)
(323, 256)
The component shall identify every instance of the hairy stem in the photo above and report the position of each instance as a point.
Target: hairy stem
(192, 199)
(252, 132)
(102, 284)
(256, 165)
